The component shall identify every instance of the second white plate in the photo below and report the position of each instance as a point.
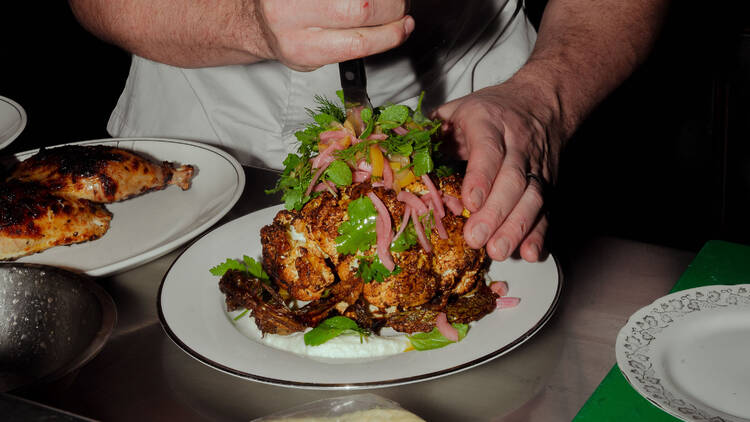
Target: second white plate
(12, 121)
(687, 353)
(151, 225)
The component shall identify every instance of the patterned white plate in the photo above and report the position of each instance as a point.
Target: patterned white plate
(689, 353)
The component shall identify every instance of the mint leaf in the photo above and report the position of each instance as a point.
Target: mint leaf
(332, 328)
(358, 232)
(393, 116)
(339, 173)
(435, 339)
(423, 163)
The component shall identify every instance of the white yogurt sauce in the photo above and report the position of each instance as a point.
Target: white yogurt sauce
(340, 349)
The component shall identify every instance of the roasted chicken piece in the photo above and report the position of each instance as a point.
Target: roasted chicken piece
(99, 173)
(299, 253)
(32, 219)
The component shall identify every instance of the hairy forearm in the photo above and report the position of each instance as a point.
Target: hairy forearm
(193, 33)
(585, 49)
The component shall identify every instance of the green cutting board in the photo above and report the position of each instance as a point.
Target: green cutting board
(718, 262)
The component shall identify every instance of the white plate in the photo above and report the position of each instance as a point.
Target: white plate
(192, 311)
(12, 121)
(688, 352)
(148, 226)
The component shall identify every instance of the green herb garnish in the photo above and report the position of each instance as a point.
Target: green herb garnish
(248, 265)
(331, 328)
(406, 240)
(370, 268)
(339, 173)
(435, 339)
(294, 181)
(358, 232)
(415, 146)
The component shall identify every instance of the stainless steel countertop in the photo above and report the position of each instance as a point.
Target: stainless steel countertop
(141, 375)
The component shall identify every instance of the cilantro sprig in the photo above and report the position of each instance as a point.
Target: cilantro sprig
(247, 264)
(370, 268)
(358, 232)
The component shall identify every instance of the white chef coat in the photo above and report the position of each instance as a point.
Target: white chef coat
(252, 111)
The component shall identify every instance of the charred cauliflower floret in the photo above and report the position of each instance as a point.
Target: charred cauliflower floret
(300, 253)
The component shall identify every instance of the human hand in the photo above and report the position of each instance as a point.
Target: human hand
(307, 34)
(507, 133)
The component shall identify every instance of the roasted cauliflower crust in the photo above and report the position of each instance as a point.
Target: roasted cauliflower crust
(462, 310)
(299, 253)
(271, 314)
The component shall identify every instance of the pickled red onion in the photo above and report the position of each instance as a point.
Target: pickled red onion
(435, 194)
(377, 136)
(507, 302)
(499, 287)
(364, 165)
(439, 225)
(420, 233)
(404, 221)
(383, 232)
(360, 176)
(315, 179)
(445, 328)
(326, 186)
(387, 174)
(400, 130)
(454, 204)
(326, 157)
(413, 201)
(333, 135)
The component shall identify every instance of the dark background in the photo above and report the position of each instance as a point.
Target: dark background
(666, 159)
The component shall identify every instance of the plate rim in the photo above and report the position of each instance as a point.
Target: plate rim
(22, 123)
(543, 320)
(131, 262)
(621, 360)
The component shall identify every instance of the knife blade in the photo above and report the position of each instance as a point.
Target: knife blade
(354, 87)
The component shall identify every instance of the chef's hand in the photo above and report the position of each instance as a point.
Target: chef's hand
(307, 34)
(508, 135)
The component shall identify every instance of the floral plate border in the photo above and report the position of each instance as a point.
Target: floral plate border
(634, 342)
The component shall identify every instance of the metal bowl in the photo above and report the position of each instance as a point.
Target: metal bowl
(52, 322)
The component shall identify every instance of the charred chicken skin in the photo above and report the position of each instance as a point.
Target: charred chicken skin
(32, 219)
(99, 173)
(55, 197)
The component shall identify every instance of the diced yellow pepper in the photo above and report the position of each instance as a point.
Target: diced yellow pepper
(376, 160)
(405, 178)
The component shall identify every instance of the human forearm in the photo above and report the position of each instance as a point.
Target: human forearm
(302, 34)
(584, 50)
(187, 34)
